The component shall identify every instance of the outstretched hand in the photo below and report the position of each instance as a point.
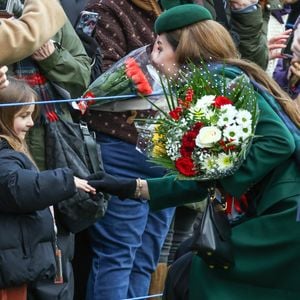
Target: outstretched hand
(121, 187)
(83, 185)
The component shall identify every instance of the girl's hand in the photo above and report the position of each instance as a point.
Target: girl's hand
(83, 185)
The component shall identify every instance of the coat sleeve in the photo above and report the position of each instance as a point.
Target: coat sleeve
(168, 192)
(69, 66)
(253, 43)
(23, 190)
(19, 38)
(272, 145)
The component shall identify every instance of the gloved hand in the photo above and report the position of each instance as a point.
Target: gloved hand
(121, 187)
(90, 44)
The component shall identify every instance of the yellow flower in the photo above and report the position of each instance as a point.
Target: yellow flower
(158, 150)
(156, 137)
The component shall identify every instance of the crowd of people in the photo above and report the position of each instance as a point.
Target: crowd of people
(130, 252)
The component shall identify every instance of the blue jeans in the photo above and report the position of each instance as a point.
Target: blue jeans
(126, 243)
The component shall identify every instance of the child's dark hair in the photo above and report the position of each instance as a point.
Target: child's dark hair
(17, 91)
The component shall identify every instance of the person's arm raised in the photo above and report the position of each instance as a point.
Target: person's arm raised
(19, 38)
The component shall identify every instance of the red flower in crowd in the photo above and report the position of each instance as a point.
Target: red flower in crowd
(135, 73)
(197, 126)
(185, 166)
(221, 100)
(176, 113)
(188, 143)
(83, 105)
(90, 95)
(189, 95)
(226, 147)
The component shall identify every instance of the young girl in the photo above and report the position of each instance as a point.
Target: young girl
(27, 225)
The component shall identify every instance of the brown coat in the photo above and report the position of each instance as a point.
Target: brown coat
(40, 21)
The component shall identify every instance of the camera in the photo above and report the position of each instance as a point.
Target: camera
(9, 8)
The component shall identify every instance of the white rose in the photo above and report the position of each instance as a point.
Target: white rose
(207, 136)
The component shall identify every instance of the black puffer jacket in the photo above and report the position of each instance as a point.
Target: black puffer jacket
(26, 225)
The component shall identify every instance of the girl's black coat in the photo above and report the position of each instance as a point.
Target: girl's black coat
(26, 224)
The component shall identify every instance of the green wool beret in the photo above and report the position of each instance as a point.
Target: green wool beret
(166, 4)
(181, 16)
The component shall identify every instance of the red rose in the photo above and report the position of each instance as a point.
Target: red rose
(144, 88)
(221, 100)
(186, 151)
(185, 166)
(196, 127)
(188, 139)
(90, 95)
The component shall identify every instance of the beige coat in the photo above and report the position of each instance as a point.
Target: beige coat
(19, 38)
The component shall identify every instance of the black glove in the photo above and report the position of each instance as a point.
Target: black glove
(121, 187)
(89, 43)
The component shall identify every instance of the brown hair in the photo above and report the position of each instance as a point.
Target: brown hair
(16, 92)
(209, 41)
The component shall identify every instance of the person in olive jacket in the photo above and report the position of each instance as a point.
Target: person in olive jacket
(27, 226)
(267, 241)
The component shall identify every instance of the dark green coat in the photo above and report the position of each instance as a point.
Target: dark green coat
(267, 246)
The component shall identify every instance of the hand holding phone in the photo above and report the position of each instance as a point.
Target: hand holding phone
(87, 22)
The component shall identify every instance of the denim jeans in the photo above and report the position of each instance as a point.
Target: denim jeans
(126, 243)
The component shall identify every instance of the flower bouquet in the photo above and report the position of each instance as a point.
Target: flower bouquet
(209, 126)
(129, 78)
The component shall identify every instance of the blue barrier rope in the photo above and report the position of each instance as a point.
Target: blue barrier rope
(121, 97)
(145, 297)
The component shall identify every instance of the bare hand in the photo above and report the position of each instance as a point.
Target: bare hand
(3, 79)
(45, 51)
(295, 68)
(83, 185)
(289, 1)
(277, 43)
(241, 4)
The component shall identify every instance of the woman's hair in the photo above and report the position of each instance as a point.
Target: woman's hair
(209, 41)
(16, 92)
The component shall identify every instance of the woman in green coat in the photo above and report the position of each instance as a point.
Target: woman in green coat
(267, 244)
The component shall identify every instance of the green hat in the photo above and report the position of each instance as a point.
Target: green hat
(181, 16)
(166, 4)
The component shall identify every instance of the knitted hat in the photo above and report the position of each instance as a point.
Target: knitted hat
(181, 16)
(166, 4)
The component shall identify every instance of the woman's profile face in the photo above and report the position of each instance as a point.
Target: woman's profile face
(163, 56)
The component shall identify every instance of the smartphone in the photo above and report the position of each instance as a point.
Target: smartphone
(9, 8)
(87, 22)
(287, 52)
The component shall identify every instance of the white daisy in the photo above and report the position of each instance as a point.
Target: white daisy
(244, 118)
(227, 115)
(232, 133)
(225, 161)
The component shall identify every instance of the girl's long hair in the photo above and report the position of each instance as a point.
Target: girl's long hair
(208, 41)
(16, 92)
